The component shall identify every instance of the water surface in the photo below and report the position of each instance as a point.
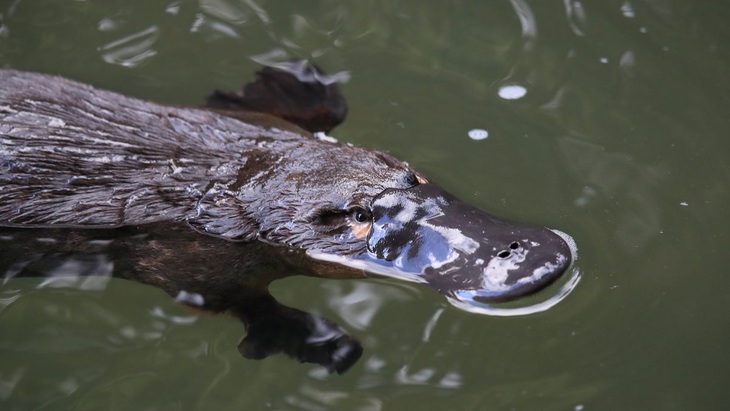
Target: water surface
(604, 119)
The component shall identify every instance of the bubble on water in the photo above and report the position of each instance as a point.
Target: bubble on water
(478, 134)
(512, 92)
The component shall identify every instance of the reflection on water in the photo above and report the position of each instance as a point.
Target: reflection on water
(131, 50)
(527, 21)
(233, 12)
(280, 59)
(359, 305)
(608, 175)
(576, 15)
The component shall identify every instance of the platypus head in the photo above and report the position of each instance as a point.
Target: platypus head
(425, 234)
(379, 216)
(458, 249)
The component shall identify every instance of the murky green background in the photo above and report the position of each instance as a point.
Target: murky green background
(621, 140)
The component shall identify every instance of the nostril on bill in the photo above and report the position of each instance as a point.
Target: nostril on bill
(514, 246)
(504, 254)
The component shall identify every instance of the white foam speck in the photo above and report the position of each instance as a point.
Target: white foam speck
(512, 92)
(478, 134)
(324, 137)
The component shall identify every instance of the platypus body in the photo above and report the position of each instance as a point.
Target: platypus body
(213, 205)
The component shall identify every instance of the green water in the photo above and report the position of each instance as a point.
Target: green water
(620, 140)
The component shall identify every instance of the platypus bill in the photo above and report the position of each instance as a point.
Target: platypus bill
(213, 204)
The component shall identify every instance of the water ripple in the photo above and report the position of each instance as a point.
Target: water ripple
(576, 16)
(132, 50)
(527, 21)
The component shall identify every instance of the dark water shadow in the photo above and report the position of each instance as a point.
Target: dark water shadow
(196, 270)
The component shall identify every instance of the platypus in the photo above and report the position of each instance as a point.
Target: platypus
(212, 204)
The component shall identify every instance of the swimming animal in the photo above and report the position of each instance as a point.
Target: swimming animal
(212, 204)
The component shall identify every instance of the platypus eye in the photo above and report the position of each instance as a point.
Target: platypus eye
(333, 221)
(361, 221)
(413, 179)
(360, 215)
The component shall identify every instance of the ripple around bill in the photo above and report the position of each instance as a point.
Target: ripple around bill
(542, 301)
(465, 300)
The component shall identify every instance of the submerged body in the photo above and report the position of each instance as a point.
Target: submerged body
(73, 157)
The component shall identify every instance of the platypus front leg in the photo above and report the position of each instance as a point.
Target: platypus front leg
(273, 328)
